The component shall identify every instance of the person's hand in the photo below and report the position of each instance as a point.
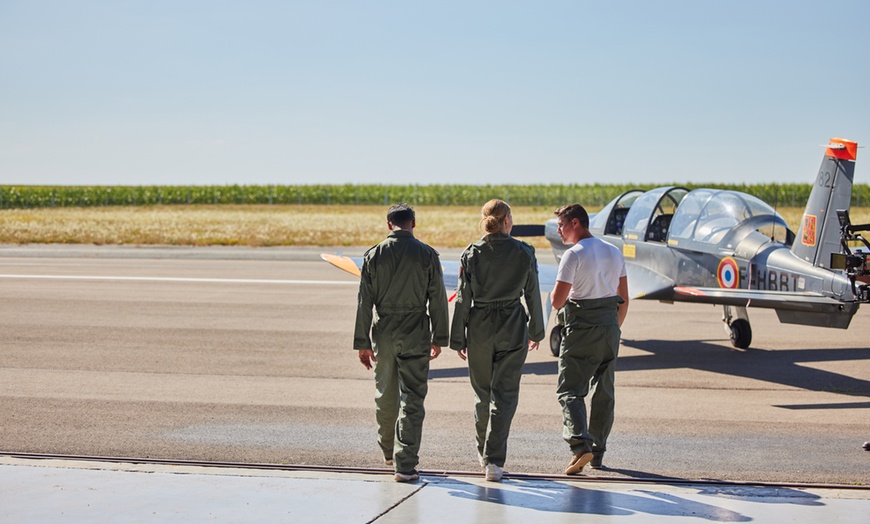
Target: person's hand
(463, 354)
(533, 345)
(436, 350)
(366, 357)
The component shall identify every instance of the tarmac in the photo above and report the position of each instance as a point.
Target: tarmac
(73, 491)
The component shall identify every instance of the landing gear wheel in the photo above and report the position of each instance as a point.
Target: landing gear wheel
(555, 340)
(741, 333)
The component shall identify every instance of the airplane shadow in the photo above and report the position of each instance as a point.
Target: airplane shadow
(554, 497)
(787, 367)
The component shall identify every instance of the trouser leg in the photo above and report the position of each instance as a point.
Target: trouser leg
(603, 397)
(496, 352)
(386, 398)
(480, 374)
(413, 371)
(579, 359)
(506, 375)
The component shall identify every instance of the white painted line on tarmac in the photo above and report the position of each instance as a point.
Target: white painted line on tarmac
(177, 279)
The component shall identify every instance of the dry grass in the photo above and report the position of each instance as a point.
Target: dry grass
(261, 225)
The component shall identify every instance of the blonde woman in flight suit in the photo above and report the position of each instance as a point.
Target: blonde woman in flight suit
(491, 329)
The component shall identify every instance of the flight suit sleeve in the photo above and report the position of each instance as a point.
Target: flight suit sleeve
(532, 292)
(365, 302)
(438, 304)
(461, 307)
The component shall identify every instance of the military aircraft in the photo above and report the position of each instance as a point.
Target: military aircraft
(731, 249)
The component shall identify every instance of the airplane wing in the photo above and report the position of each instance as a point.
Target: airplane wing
(546, 274)
(353, 265)
(647, 284)
(751, 297)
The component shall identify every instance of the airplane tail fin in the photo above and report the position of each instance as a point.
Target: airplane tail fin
(819, 233)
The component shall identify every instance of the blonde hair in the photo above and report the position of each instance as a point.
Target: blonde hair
(494, 214)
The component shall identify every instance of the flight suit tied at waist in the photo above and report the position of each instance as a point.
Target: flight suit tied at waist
(398, 309)
(591, 312)
(496, 304)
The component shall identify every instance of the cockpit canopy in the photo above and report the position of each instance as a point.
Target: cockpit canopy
(706, 216)
(650, 216)
(681, 217)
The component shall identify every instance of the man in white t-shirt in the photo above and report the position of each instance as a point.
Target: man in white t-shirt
(591, 294)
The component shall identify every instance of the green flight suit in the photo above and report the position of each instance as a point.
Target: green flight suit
(590, 345)
(490, 322)
(401, 277)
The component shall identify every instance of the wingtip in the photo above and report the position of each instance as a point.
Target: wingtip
(342, 262)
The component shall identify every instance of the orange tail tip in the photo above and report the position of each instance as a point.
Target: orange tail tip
(342, 263)
(842, 149)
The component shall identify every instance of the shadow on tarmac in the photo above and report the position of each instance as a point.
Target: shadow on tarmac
(561, 498)
(781, 366)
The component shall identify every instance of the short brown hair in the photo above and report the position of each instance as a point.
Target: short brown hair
(401, 215)
(572, 211)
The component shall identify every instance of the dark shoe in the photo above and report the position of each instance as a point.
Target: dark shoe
(867, 446)
(406, 477)
(597, 460)
(578, 462)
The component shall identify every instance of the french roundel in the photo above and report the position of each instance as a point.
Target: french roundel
(728, 273)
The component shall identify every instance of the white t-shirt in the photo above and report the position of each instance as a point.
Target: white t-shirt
(593, 268)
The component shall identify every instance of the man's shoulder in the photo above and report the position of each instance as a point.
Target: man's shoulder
(426, 248)
(370, 252)
(597, 242)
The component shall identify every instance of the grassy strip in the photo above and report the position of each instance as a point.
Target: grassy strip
(230, 225)
(263, 225)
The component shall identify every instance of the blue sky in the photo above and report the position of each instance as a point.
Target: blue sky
(286, 92)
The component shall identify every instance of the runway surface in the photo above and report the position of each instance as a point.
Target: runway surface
(244, 355)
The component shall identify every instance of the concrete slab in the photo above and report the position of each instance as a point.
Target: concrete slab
(35, 491)
(83, 492)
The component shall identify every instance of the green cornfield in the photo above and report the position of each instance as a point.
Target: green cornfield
(25, 196)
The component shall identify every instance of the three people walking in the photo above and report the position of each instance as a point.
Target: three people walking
(402, 280)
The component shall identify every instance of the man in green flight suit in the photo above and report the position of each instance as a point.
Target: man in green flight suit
(401, 278)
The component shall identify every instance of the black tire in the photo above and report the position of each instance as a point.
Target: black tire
(555, 340)
(741, 333)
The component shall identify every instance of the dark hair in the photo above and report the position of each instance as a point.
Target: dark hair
(400, 215)
(572, 211)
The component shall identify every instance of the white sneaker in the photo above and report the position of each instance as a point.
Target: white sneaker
(406, 477)
(494, 473)
(388, 462)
